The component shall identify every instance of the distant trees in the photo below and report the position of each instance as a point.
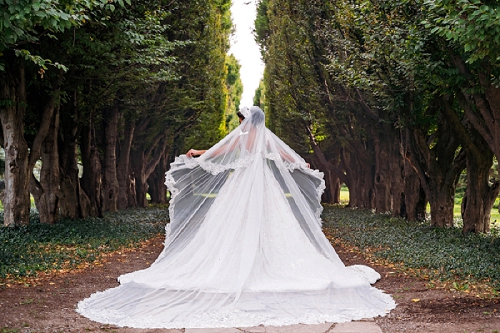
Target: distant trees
(104, 94)
(394, 99)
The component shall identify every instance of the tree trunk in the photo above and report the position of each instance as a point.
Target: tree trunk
(361, 184)
(144, 162)
(126, 198)
(438, 167)
(44, 147)
(156, 182)
(414, 195)
(479, 196)
(156, 188)
(110, 188)
(91, 178)
(333, 184)
(131, 191)
(439, 191)
(74, 203)
(442, 203)
(396, 166)
(17, 176)
(355, 197)
(361, 187)
(333, 176)
(332, 190)
(46, 191)
(17, 199)
(382, 172)
(138, 163)
(482, 106)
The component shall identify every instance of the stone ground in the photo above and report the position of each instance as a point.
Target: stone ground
(47, 304)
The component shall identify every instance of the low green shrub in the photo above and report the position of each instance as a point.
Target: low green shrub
(444, 254)
(68, 243)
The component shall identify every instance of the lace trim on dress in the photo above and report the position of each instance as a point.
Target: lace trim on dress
(170, 183)
(213, 168)
(232, 317)
(216, 168)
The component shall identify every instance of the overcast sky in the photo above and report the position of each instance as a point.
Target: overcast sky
(245, 49)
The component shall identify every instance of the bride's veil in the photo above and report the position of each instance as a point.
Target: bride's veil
(195, 182)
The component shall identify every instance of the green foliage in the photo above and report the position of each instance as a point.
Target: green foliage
(202, 95)
(444, 254)
(20, 19)
(294, 96)
(42, 247)
(234, 87)
(259, 98)
(471, 24)
(262, 32)
(24, 22)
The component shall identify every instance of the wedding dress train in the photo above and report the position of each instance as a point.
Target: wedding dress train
(244, 247)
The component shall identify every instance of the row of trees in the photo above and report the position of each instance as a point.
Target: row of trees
(396, 98)
(104, 93)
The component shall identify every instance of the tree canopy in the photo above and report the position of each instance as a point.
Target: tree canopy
(104, 94)
(395, 99)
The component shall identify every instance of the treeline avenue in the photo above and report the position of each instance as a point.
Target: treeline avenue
(396, 98)
(102, 94)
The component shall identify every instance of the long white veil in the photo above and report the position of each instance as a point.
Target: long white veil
(195, 182)
(244, 247)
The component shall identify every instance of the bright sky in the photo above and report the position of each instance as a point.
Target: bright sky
(245, 49)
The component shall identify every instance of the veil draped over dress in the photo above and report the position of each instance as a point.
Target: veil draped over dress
(244, 247)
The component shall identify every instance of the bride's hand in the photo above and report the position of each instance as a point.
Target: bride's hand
(195, 152)
(192, 152)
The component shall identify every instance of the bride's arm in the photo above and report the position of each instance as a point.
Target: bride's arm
(218, 151)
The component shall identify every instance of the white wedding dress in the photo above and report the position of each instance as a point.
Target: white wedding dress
(244, 247)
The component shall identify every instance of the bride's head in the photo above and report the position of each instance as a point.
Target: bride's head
(257, 115)
(252, 126)
(243, 113)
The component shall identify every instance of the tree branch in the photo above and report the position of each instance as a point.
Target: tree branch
(43, 130)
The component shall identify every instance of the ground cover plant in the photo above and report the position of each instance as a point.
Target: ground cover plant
(443, 256)
(70, 244)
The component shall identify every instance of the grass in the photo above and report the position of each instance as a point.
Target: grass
(24, 251)
(344, 196)
(444, 255)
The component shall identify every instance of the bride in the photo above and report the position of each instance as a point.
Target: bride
(244, 246)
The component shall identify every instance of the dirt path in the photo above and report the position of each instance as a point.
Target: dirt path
(49, 305)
